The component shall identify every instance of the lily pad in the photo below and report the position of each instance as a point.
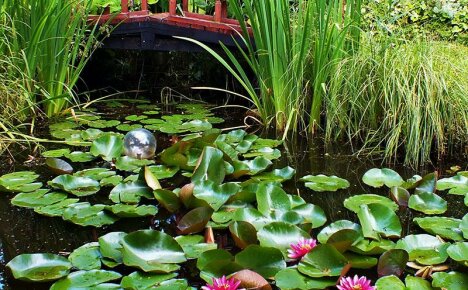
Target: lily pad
(38, 198)
(108, 147)
(79, 186)
(194, 245)
(243, 233)
(337, 226)
(97, 174)
(132, 211)
(126, 163)
(263, 260)
(459, 252)
(424, 249)
(379, 177)
(92, 279)
(378, 221)
(464, 226)
(151, 250)
(323, 261)
(79, 156)
(168, 199)
(56, 209)
(195, 220)
(444, 227)
(140, 280)
(280, 235)
(215, 195)
(451, 280)
(279, 175)
(211, 166)
(417, 283)
(400, 195)
(392, 262)
(291, 279)
(17, 181)
(322, 182)
(86, 257)
(110, 245)
(130, 192)
(391, 282)
(59, 166)
(101, 124)
(163, 172)
(428, 203)
(353, 203)
(457, 184)
(57, 153)
(39, 267)
(85, 214)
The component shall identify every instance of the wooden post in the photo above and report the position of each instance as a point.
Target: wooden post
(124, 6)
(144, 5)
(224, 9)
(218, 11)
(173, 7)
(185, 5)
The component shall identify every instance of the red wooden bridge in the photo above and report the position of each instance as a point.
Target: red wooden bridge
(143, 30)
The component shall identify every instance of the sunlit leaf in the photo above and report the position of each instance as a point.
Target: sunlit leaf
(39, 267)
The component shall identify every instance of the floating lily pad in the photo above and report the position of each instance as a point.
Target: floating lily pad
(126, 163)
(92, 279)
(59, 166)
(323, 261)
(380, 177)
(39, 267)
(130, 192)
(337, 226)
(56, 209)
(457, 184)
(428, 203)
(279, 175)
(136, 118)
(243, 233)
(215, 195)
(38, 198)
(163, 172)
(18, 181)
(291, 279)
(464, 226)
(266, 152)
(101, 124)
(400, 195)
(372, 247)
(95, 173)
(451, 280)
(353, 203)
(280, 235)
(86, 257)
(424, 249)
(140, 280)
(57, 153)
(79, 186)
(79, 156)
(263, 260)
(459, 252)
(378, 221)
(85, 214)
(322, 182)
(107, 146)
(250, 167)
(63, 125)
(91, 134)
(444, 227)
(168, 199)
(194, 245)
(152, 251)
(391, 282)
(110, 246)
(392, 262)
(130, 211)
(128, 127)
(417, 283)
(211, 166)
(360, 261)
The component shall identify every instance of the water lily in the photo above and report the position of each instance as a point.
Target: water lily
(222, 284)
(301, 248)
(355, 283)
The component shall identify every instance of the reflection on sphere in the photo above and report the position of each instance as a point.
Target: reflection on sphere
(140, 144)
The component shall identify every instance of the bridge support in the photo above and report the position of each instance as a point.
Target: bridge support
(220, 10)
(172, 7)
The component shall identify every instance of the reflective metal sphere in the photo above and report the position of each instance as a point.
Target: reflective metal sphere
(140, 144)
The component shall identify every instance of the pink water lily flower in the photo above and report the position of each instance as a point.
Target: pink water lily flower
(223, 284)
(355, 283)
(301, 248)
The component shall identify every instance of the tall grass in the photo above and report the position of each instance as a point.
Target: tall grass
(409, 98)
(53, 41)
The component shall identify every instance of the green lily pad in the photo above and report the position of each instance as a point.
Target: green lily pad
(97, 174)
(85, 214)
(111, 181)
(108, 147)
(417, 283)
(56, 209)
(400, 195)
(272, 198)
(128, 127)
(216, 263)
(323, 261)
(459, 252)
(322, 182)
(86, 257)
(168, 199)
(126, 163)
(211, 166)
(263, 260)
(444, 227)
(266, 152)
(140, 280)
(243, 234)
(163, 172)
(195, 220)
(280, 235)
(18, 181)
(57, 153)
(360, 261)
(91, 134)
(101, 124)
(390, 283)
(353, 203)
(464, 226)
(92, 279)
(424, 249)
(63, 125)
(337, 226)
(136, 118)
(379, 177)
(150, 250)
(38, 198)
(130, 192)
(392, 262)
(378, 221)
(279, 175)
(372, 247)
(291, 279)
(215, 195)
(428, 203)
(79, 186)
(451, 280)
(79, 156)
(457, 184)
(110, 246)
(39, 267)
(311, 214)
(194, 245)
(131, 211)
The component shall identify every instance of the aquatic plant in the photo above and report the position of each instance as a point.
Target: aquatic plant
(222, 284)
(355, 283)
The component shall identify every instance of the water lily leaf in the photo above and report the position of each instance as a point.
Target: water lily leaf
(291, 279)
(140, 280)
(18, 181)
(65, 134)
(135, 118)
(211, 166)
(451, 280)
(417, 283)
(215, 195)
(379, 177)
(280, 235)
(428, 203)
(110, 246)
(130, 192)
(336, 227)
(343, 239)
(86, 257)
(322, 182)
(251, 216)
(243, 234)
(279, 175)
(39, 267)
(85, 214)
(216, 263)
(101, 124)
(56, 209)
(312, 214)
(323, 261)
(79, 186)
(162, 171)
(226, 213)
(92, 279)
(173, 284)
(457, 184)
(195, 126)
(97, 174)
(126, 163)
(444, 227)
(353, 203)
(63, 125)
(250, 167)
(464, 226)
(360, 261)
(59, 166)
(91, 134)
(263, 260)
(131, 211)
(149, 250)
(57, 153)
(108, 147)
(372, 247)
(272, 198)
(151, 180)
(400, 195)
(427, 183)
(392, 262)
(390, 283)
(459, 252)
(111, 181)
(379, 220)
(79, 156)
(251, 280)
(424, 249)
(168, 199)
(195, 220)
(128, 127)
(194, 245)
(266, 152)
(38, 198)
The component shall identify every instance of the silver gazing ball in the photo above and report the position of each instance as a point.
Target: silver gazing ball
(140, 144)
